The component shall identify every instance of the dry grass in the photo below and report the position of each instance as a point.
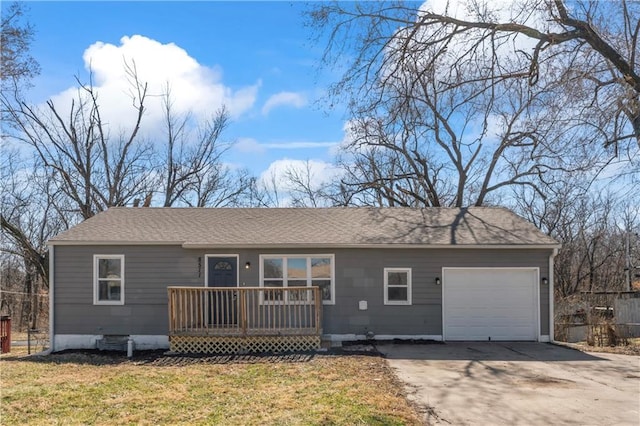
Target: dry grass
(89, 388)
(633, 348)
(16, 351)
(19, 335)
(37, 345)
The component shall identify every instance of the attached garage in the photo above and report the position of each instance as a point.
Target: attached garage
(482, 304)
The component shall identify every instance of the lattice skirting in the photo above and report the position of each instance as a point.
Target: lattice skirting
(236, 345)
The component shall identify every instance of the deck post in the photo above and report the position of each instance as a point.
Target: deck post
(170, 309)
(243, 310)
(318, 300)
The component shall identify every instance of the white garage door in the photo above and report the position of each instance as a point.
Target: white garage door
(490, 303)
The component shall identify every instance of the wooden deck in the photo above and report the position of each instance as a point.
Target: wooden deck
(244, 319)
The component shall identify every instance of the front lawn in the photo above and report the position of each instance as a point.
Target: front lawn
(91, 388)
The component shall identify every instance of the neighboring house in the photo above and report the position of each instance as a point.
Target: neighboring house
(434, 273)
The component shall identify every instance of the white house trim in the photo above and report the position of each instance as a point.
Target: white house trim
(52, 341)
(116, 243)
(96, 279)
(150, 341)
(75, 341)
(188, 245)
(309, 277)
(386, 287)
(89, 341)
(552, 296)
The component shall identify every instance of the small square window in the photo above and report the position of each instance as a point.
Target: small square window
(397, 286)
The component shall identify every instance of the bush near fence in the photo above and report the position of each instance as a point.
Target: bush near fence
(599, 318)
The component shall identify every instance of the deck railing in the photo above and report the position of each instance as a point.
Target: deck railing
(244, 311)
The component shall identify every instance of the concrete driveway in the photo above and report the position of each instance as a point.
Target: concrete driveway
(518, 383)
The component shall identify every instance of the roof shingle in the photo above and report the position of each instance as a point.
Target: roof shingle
(262, 227)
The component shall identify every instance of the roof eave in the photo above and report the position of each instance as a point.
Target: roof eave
(201, 246)
(112, 243)
(371, 246)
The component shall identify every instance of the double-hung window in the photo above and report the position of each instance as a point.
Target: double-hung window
(298, 271)
(397, 286)
(108, 279)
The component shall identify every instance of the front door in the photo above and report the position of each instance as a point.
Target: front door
(223, 272)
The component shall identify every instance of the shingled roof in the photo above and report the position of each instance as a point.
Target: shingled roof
(306, 227)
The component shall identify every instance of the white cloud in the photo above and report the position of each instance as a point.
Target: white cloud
(250, 145)
(195, 88)
(300, 145)
(293, 99)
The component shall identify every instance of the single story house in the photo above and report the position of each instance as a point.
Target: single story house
(147, 274)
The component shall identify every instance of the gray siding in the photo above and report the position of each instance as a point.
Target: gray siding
(359, 276)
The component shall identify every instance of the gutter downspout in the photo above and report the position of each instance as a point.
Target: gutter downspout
(551, 296)
(51, 300)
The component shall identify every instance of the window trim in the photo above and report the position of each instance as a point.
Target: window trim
(96, 280)
(387, 286)
(309, 278)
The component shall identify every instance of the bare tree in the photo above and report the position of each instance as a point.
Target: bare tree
(299, 184)
(222, 186)
(589, 49)
(30, 214)
(24, 264)
(17, 66)
(94, 169)
(375, 176)
(592, 256)
(267, 192)
(304, 187)
(193, 171)
(463, 103)
(419, 141)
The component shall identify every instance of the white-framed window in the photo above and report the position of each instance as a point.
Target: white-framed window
(108, 279)
(299, 270)
(397, 286)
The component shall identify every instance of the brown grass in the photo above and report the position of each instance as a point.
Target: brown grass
(16, 351)
(91, 388)
(633, 348)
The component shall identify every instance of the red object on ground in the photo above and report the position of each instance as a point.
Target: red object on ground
(5, 334)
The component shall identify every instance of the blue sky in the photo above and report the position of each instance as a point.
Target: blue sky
(258, 56)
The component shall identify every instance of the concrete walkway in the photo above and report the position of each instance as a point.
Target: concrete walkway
(518, 384)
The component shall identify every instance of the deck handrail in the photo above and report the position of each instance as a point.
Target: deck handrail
(244, 311)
